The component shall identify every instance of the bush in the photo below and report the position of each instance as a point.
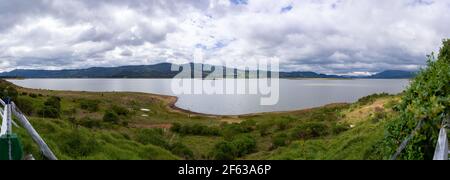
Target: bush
(7, 90)
(119, 110)
(310, 130)
(111, 117)
(224, 151)
(238, 147)
(90, 105)
(51, 108)
(371, 98)
(339, 128)
(78, 143)
(195, 129)
(181, 150)
(49, 112)
(264, 128)
(152, 136)
(378, 115)
(32, 95)
(280, 140)
(54, 102)
(25, 105)
(229, 131)
(282, 124)
(244, 145)
(176, 127)
(248, 125)
(90, 123)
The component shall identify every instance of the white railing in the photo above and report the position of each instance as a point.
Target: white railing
(5, 120)
(441, 152)
(6, 128)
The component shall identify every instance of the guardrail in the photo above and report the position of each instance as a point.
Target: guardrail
(441, 152)
(6, 129)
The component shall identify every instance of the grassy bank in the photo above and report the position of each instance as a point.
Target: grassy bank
(87, 125)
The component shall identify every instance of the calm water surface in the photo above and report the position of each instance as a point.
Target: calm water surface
(294, 94)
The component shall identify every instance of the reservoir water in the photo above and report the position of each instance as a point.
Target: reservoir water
(293, 94)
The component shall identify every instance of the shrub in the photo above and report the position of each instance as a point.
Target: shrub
(32, 95)
(280, 140)
(310, 130)
(53, 102)
(378, 115)
(371, 98)
(49, 112)
(231, 130)
(244, 145)
(25, 105)
(238, 147)
(248, 125)
(195, 129)
(181, 150)
(111, 117)
(282, 124)
(7, 90)
(90, 105)
(119, 110)
(90, 123)
(78, 143)
(176, 127)
(224, 151)
(264, 129)
(337, 128)
(152, 136)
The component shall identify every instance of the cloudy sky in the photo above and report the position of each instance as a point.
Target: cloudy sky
(327, 36)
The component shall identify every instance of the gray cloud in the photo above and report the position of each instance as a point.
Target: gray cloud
(328, 36)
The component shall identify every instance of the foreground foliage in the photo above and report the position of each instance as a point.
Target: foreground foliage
(427, 100)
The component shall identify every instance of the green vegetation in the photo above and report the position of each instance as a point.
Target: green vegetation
(111, 117)
(8, 90)
(427, 100)
(238, 147)
(90, 105)
(195, 129)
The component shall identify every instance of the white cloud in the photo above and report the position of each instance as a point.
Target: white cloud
(327, 36)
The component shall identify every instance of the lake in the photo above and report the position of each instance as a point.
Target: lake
(293, 94)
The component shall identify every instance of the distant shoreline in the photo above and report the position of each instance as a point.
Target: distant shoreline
(171, 100)
(8, 78)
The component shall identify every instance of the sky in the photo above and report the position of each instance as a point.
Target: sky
(352, 37)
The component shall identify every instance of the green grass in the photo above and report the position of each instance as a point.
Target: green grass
(70, 142)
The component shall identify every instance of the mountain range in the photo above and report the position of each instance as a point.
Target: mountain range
(164, 70)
